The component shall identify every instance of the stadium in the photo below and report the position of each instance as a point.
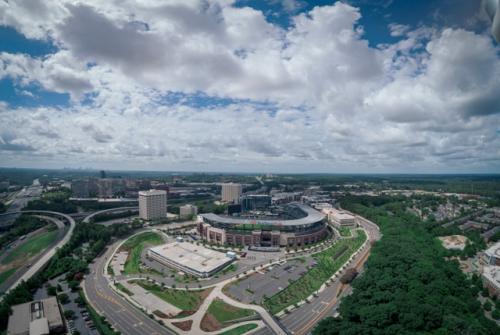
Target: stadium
(294, 225)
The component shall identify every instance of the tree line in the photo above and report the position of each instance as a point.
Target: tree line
(408, 287)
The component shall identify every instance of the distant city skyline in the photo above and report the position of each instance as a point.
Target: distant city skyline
(279, 86)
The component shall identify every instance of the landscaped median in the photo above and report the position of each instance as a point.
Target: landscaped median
(186, 300)
(329, 261)
(134, 246)
(345, 232)
(240, 330)
(220, 315)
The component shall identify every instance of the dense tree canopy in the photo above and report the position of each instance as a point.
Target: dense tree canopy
(408, 286)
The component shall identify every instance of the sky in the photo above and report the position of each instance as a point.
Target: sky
(290, 86)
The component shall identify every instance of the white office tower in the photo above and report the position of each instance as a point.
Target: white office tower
(152, 204)
(231, 192)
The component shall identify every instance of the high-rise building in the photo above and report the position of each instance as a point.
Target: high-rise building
(187, 211)
(231, 192)
(102, 174)
(80, 188)
(105, 188)
(152, 204)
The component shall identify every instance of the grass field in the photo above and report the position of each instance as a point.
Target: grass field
(185, 300)
(240, 330)
(134, 246)
(328, 262)
(230, 268)
(6, 274)
(30, 248)
(226, 313)
(345, 232)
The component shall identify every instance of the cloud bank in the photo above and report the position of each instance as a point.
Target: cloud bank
(206, 85)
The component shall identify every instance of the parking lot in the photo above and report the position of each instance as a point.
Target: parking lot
(81, 321)
(269, 282)
(251, 260)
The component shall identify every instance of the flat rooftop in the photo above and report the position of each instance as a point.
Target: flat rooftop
(193, 256)
(494, 250)
(35, 317)
(340, 215)
(492, 273)
(152, 192)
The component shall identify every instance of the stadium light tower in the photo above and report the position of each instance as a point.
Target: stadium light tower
(492, 8)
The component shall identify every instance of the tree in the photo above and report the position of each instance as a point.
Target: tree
(487, 306)
(63, 298)
(51, 290)
(348, 276)
(69, 314)
(408, 287)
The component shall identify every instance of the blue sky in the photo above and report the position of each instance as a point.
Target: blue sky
(279, 85)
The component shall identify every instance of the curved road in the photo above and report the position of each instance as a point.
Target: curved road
(123, 316)
(42, 261)
(303, 319)
(109, 210)
(131, 321)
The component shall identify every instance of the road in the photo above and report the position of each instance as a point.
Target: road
(120, 314)
(131, 321)
(19, 201)
(303, 319)
(42, 261)
(109, 210)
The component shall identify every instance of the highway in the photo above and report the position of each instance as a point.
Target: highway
(120, 314)
(19, 201)
(109, 210)
(42, 261)
(303, 319)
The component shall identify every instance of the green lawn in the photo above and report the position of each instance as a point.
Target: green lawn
(134, 246)
(6, 274)
(240, 330)
(226, 313)
(328, 262)
(185, 300)
(345, 232)
(33, 246)
(230, 268)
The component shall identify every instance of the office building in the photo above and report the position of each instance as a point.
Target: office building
(41, 317)
(190, 258)
(491, 280)
(340, 218)
(187, 211)
(231, 192)
(152, 204)
(80, 188)
(491, 256)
